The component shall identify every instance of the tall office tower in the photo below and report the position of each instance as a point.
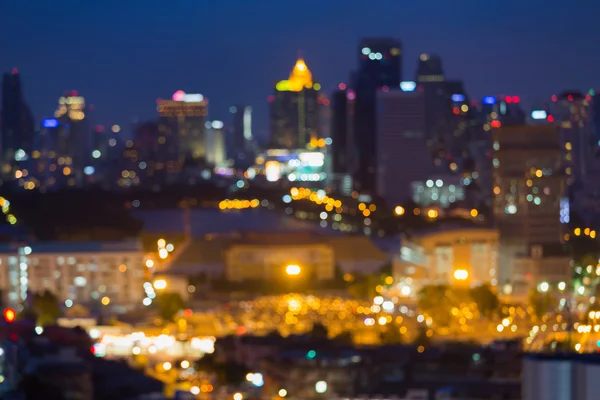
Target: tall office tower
(595, 112)
(16, 123)
(240, 130)
(73, 141)
(215, 143)
(324, 117)
(430, 77)
(340, 137)
(379, 68)
(294, 114)
(571, 112)
(402, 154)
(185, 115)
(529, 189)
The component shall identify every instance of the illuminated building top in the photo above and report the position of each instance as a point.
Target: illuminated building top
(300, 78)
(183, 105)
(71, 105)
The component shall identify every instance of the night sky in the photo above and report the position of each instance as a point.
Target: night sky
(122, 55)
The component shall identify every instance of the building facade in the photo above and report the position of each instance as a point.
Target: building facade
(266, 257)
(529, 190)
(294, 110)
(77, 273)
(402, 153)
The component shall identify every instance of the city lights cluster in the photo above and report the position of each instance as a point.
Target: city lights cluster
(237, 204)
(5, 204)
(585, 232)
(316, 196)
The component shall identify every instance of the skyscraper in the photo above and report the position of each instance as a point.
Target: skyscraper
(185, 115)
(215, 143)
(294, 114)
(402, 154)
(379, 68)
(529, 189)
(340, 125)
(16, 122)
(240, 130)
(571, 112)
(73, 141)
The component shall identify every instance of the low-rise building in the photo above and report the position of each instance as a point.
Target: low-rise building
(76, 272)
(468, 255)
(266, 256)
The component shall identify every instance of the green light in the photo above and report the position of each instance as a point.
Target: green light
(592, 92)
(311, 354)
(317, 86)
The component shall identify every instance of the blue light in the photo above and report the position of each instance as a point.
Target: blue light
(50, 123)
(457, 98)
(408, 86)
(489, 100)
(89, 170)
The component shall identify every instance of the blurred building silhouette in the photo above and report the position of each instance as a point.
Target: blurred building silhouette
(16, 123)
(294, 115)
(379, 68)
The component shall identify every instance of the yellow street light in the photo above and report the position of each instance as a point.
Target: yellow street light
(238, 396)
(167, 366)
(399, 210)
(282, 393)
(163, 253)
(292, 269)
(149, 263)
(160, 284)
(105, 300)
(461, 274)
(161, 243)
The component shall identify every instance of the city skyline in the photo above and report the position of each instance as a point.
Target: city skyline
(245, 56)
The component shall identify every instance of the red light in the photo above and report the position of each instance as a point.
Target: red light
(99, 128)
(271, 99)
(516, 99)
(9, 315)
(420, 88)
(508, 99)
(588, 97)
(554, 98)
(93, 350)
(342, 86)
(15, 71)
(74, 93)
(570, 97)
(455, 111)
(550, 118)
(385, 89)
(187, 313)
(496, 124)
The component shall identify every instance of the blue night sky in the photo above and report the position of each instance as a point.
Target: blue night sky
(122, 55)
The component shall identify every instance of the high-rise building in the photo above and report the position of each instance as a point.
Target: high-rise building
(379, 68)
(240, 130)
(529, 193)
(430, 78)
(571, 112)
(185, 115)
(340, 129)
(16, 123)
(215, 143)
(402, 154)
(73, 140)
(294, 114)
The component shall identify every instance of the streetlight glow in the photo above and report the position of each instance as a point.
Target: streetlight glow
(461, 274)
(160, 284)
(292, 269)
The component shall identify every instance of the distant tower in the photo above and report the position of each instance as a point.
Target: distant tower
(16, 123)
(294, 115)
(379, 68)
